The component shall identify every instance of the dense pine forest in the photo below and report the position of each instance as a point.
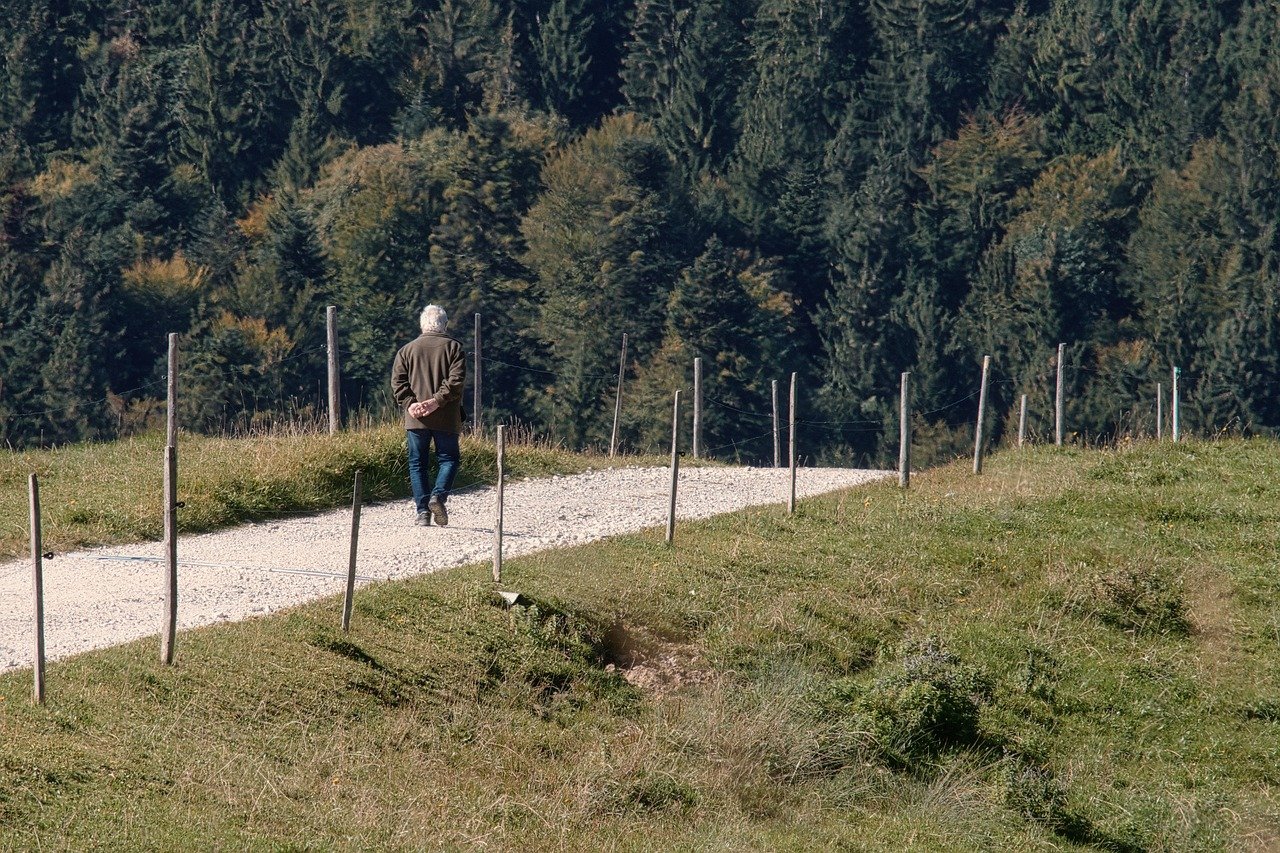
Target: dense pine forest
(848, 190)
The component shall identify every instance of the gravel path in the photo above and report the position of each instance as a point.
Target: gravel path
(107, 596)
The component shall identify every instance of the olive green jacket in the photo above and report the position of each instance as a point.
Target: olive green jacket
(431, 366)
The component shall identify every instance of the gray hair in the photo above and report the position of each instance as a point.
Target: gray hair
(433, 319)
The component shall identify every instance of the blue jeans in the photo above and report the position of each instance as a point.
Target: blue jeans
(447, 454)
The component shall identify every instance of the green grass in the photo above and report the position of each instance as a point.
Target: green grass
(1076, 650)
(97, 494)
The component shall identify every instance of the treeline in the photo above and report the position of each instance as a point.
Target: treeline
(844, 189)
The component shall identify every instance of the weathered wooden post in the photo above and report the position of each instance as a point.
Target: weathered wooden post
(617, 400)
(777, 429)
(497, 519)
(37, 582)
(1159, 411)
(169, 625)
(982, 413)
(791, 442)
(335, 384)
(675, 469)
(171, 415)
(1177, 431)
(904, 434)
(348, 601)
(1058, 405)
(697, 408)
(477, 374)
(169, 628)
(1022, 421)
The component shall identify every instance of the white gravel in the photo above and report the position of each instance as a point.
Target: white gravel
(107, 596)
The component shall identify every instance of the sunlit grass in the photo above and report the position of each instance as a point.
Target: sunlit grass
(970, 665)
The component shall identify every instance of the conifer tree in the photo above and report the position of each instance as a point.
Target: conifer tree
(605, 242)
(564, 59)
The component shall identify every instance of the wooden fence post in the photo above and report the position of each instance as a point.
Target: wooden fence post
(477, 372)
(169, 628)
(1159, 411)
(982, 413)
(1059, 405)
(697, 408)
(904, 434)
(348, 601)
(1177, 432)
(497, 520)
(617, 400)
(791, 446)
(675, 469)
(1022, 421)
(777, 429)
(335, 385)
(37, 581)
(171, 415)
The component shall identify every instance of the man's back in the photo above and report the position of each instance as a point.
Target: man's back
(431, 366)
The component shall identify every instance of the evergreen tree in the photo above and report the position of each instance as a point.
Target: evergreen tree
(1169, 87)
(374, 210)
(732, 310)
(565, 61)
(38, 67)
(476, 247)
(69, 345)
(605, 242)
(307, 47)
(683, 71)
(804, 56)
(227, 125)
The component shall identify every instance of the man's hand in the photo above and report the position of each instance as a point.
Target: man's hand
(422, 408)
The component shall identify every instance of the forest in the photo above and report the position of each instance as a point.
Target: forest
(846, 190)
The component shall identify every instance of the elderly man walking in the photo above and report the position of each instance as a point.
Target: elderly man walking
(426, 382)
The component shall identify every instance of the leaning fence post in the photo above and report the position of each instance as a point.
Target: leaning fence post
(37, 580)
(777, 429)
(335, 386)
(1022, 421)
(349, 600)
(697, 408)
(1177, 371)
(791, 446)
(904, 434)
(675, 469)
(497, 520)
(1058, 404)
(617, 401)
(1159, 411)
(982, 412)
(169, 629)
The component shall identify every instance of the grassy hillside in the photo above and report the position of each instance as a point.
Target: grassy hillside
(1076, 650)
(93, 494)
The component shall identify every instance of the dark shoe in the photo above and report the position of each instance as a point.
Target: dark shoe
(438, 513)
(423, 520)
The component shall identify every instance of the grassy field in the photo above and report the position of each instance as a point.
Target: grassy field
(1076, 650)
(97, 494)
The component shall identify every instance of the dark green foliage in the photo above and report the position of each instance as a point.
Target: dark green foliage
(895, 185)
(606, 241)
(682, 72)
